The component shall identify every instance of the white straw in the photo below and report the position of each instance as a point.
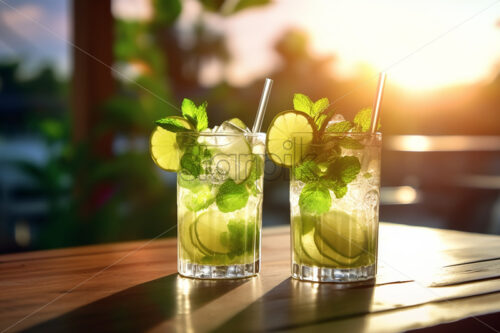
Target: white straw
(262, 105)
(378, 101)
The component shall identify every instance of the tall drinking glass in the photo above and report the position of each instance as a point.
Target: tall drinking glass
(334, 200)
(219, 204)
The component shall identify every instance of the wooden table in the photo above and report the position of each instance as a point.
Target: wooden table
(426, 277)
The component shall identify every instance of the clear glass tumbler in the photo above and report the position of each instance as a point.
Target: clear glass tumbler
(334, 200)
(219, 204)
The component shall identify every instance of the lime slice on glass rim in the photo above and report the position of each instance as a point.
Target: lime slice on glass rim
(208, 229)
(287, 129)
(164, 148)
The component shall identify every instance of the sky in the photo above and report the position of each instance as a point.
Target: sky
(390, 35)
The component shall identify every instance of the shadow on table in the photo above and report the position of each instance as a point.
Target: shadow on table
(294, 304)
(141, 307)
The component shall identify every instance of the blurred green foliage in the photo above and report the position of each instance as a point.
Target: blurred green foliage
(93, 198)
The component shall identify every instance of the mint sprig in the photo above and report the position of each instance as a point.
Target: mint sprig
(172, 124)
(304, 103)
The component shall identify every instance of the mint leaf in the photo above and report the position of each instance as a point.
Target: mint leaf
(202, 117)
(363, 120)
(315, 199)
(320, 119)
(307, 171)
(191, 161)
(231, 196)
(340, 127)
(302, 103)
(345, 168)
(172, 124)
(199, 198)
(338, 187)
(350, 143)
(240, 236)
(197, 115)
(320, 105)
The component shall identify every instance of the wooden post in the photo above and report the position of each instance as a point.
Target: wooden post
(92, 61)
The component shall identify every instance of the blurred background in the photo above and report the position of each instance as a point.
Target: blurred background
(81, 83)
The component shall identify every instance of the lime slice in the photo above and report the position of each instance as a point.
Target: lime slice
(285, 129)
(331, 254)
(310, 248)
(343, 233)
(208, 228)
(233, 158)
(164, 148)
(187, 239)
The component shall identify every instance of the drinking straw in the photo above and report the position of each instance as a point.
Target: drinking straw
(377, 102)
(262, 105)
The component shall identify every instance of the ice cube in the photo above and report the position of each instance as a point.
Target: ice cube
(231, 127)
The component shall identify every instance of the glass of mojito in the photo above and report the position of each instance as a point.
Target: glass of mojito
(219, 204)
(334, 189)
(219, 192)
(334, 200)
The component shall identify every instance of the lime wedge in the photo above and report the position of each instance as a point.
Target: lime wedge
(287, 129)
(233, 158)
(164, 148)
(343, 233)
(208, 228)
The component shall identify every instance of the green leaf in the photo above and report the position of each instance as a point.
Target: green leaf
(199, 198)
(197, 115)
(338, 187)
(315, 199)
(320, 105)
(350, 143)
(320, 119)
(307, 171)
(302, 103)
(363, 120)
(231, 196)
(345, 168)
(340, 127)
(166, 12)
(240, 236)
(202, 117)
(191, 161)
(172, 124)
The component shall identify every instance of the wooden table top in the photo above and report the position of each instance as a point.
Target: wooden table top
(426, 277)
